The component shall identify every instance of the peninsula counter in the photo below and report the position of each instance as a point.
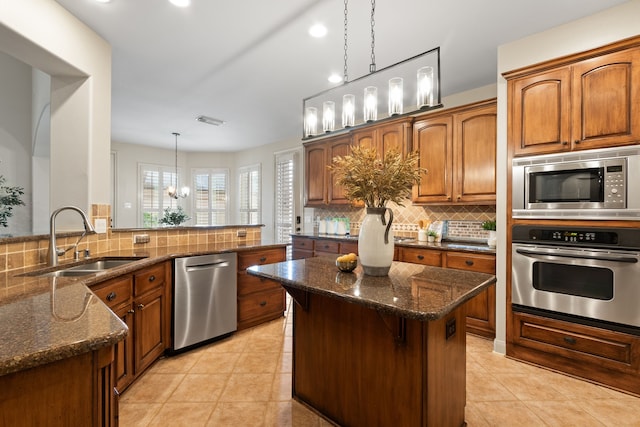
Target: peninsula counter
(385, 351)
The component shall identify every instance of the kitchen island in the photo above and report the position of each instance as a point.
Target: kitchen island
(379, 350)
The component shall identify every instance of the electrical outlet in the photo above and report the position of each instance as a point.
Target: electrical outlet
(450, 328)
(241, 233)
(141, 238)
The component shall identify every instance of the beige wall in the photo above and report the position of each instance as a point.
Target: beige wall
(44, 35)
(613, 24)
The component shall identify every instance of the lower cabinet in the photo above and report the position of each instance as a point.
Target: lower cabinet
(259, 299)
(481, 310)
(306, 247)
(143, 301)
(607, 357)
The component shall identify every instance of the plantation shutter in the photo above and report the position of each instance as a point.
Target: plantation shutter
(284, 201)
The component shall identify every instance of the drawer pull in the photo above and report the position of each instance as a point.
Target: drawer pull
(140, 306)
(469, 262)
(420, 257)
(263, 303)
(152, 278)
(131, 311)
(570, 340)
(263, 259)
(111, 296)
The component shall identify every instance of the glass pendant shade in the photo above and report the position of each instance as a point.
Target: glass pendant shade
(348, 110)
(328, 116)
(395, 96)
(425, 87)
(370, 103)
(311, 121)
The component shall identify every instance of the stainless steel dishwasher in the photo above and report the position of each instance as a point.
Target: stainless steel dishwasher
(204, 298)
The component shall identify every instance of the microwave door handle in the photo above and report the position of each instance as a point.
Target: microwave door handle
(613, 258)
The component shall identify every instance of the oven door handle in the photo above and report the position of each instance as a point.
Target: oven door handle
(617, 258)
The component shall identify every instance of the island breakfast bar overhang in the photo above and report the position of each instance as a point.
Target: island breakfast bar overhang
(379, 351)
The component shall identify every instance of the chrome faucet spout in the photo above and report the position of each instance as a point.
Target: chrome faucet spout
(54, 251)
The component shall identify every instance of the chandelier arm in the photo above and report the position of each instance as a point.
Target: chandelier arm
(372, 66)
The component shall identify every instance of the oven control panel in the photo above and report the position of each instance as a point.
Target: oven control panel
(597, 237)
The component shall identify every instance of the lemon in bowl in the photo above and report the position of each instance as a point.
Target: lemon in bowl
(347, 263)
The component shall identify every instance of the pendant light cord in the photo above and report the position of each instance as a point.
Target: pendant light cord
(372, 67)
(346, 76)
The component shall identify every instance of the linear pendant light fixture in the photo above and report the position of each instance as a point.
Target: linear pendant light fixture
(405, 88)
(172, 190)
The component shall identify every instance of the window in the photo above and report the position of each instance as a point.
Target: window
(210, 196)
(285, 169)
(249, 186)
(153, 198)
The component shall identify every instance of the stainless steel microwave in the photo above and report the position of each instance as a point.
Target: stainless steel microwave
(590, 184)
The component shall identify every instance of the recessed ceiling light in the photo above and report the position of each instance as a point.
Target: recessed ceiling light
(335, 78)
(180, 3)
(318, 30)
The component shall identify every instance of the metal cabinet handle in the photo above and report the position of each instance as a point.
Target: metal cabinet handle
(577, 141)
(152, 278)
(263, 259)
(420, 257)
(570, 340)
(131, 311)
(263, 303)
(111, 296)
(141, 306)
(459, 196)
(469, 262)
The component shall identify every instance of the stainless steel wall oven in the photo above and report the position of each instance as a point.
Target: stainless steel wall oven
(588, 274)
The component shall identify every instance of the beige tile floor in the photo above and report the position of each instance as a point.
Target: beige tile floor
(245, 380)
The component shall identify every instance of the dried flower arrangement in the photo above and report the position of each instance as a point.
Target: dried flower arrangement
(376, 181)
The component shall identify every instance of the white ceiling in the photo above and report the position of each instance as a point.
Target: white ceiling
(251, 62)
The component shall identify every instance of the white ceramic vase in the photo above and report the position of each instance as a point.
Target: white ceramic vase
(491, 240)
(375, 242)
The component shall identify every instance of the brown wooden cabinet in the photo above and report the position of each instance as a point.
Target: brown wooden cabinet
(142, 301)
(458, 149)
(320, 186)
(259, 299)
(306, 247)
(386, 136)
(587, 102)
(481, 310)
(604, 356)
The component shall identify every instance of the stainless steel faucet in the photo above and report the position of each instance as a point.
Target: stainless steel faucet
(54, 251)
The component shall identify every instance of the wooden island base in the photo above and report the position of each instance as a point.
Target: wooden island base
(357, 366)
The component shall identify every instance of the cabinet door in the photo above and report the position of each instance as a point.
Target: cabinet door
(150, 315)
(302, 247)
(365, 138)
(315, 175)
(337, 147)
(605, 100)
(433, 140)
(474, 150)
(541, 112)
(394, 137)
(124, 351)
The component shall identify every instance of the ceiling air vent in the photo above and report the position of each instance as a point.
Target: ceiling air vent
(210, 120)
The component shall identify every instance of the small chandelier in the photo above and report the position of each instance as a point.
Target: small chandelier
(172, 190)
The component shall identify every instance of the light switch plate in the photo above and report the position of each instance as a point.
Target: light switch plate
(100, 225)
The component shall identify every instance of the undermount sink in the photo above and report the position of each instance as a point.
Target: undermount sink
(84, 269)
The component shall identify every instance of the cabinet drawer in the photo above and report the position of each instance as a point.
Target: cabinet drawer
(248, 284)
(266, 256)
(148, 279)
(303, 243)
(576, 342)
(327, 246)
(261, 304)
(421, 256)
(349, 247)
(300, 254)
(114, 292)
(473, 262)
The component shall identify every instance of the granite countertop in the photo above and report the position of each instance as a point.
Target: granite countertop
(45, 319)
(446, 245)
(410, 290)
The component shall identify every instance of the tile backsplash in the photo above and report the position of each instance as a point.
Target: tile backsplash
(464, 222)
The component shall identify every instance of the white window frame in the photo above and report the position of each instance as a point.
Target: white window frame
(250, 197)
(284, 227)
(210, 210)
(166, 177)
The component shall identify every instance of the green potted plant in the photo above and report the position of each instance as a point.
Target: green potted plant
(9, 198)
(431, 236)
(174, 217)
(490, 226)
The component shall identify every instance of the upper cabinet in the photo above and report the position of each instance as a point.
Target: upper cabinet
(320, 186)
(386, 136)
(458, 149)
(584, 104)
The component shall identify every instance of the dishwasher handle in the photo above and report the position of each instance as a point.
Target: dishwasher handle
(207, 266)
